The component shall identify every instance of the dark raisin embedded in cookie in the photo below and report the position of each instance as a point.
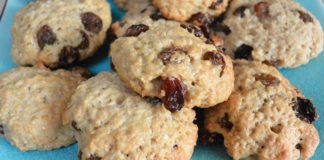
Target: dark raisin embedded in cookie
(216, 4)
(244, 52)
(192, 29)
(156, 16)
(216, 59)
(203, 21)
(240, 11)
(74, 125)
(68, 55)
(174, 94)
(225, 122)
(85, 41)
(166, 54)
(219, 27)
(305, 16)
(262, 9)
(1, 130)
(91, 22)
(305, 110)
(298, 146)
(136, 30)
(45, 35)
(267, 79)
(94, 157)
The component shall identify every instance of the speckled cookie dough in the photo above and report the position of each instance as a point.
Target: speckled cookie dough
(280, 33)
(55, 33)
(265, 117)
(183, 10)
(31, 106)
(132, 5)
(113, 122)
(171, 61)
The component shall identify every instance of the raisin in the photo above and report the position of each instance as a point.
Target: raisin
(91, 22)
(267, 79)
(165, 54)
(225, 123)
(85, 41)
(80, 155)
(203, 21)
(243, 52)
(94, 157)
(174, 94)
(216, 59)
(215, 4)
(240, 11)
(305, 16)
(219, 27)
(74, 125)
(262, 9)
(192, 29)
(175, 146)
(135, 30)
(212, 138)
(68, 55)
(153, 100)
(1, 130)
(298, 146)
(156, 16)
(45, 35)
(305, 110)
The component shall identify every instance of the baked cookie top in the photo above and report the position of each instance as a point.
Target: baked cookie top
(112, 122)
(281, 33)
(57, 33)
(172, 61)
(183, 10)
(32, 102)
(132, 5)
(264, 117)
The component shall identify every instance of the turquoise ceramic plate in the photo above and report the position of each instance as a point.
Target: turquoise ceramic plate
(309, 78)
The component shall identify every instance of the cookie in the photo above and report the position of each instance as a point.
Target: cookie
(132, 5)
(56, 33)
(172, 61)
(146, 16)
(280, 33)
(265, 117)
(113, 122)
(183, 10)
(31, 107)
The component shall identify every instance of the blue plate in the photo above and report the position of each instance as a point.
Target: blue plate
(309, 79)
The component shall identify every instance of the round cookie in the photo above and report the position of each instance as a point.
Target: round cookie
(183, 10)
(131, 5)
(280, 33)
(172, 61)
(265, 117)
(57, 33)
(31, 107)
(112, 122)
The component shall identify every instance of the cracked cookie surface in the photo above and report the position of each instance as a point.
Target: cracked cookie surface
(280, 33)
(31, 107)
(113, 122)
(56, 33)
(265, 117)
(149, 55)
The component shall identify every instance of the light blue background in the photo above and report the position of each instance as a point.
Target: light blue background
(309, 79)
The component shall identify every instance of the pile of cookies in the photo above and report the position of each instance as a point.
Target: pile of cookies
(169, 56)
